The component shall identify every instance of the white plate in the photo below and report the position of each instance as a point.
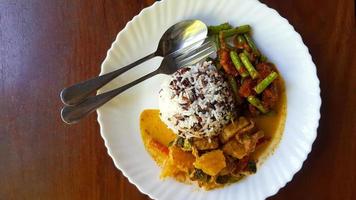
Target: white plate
(119, 119)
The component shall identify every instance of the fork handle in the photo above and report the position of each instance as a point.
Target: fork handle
(77, 93)
(72, 114)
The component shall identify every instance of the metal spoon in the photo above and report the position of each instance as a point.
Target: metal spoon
(178, 36)
(170, 64)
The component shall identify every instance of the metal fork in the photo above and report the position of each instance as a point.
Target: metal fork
(169, 65)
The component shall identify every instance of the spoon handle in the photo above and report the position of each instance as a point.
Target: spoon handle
(72, 114)
(77, 93)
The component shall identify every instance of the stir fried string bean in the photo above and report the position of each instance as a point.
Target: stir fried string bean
(237, 30)
(257, 103)
(222, 41)
(240, 39)
(263, 58)
(236, 60)
(241, 43)
(212, 30)
(250, 68)
(265, 82)
(252, 44)
(234, 88)
(244, 65)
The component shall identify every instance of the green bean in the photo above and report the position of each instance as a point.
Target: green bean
(233, 84)
(241, 39)
(217, 41)
(222, 43)
(250, 68)
(263, 58)
(230, 47)
(237, 30)
(257, 103)
(265, 82)
(252, 44)
(241, 43)
(236, 60)
(234, 88)
(218, 28)
(249, 56)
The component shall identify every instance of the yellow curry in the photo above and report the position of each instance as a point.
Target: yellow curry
(157, 137)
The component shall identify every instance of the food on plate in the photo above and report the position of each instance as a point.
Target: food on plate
(196, 101)
(217, 120)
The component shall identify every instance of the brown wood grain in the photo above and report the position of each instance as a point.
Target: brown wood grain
(47, 45)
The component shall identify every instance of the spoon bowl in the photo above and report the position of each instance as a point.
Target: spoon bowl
(181, 35)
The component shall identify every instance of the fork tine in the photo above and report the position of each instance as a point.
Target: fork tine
(188, 48)
(197, 55)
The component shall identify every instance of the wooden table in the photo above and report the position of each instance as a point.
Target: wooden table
(47, 45)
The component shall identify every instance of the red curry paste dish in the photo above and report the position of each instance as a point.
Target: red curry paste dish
(217, 119)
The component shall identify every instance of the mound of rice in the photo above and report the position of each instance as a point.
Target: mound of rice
(196, 101)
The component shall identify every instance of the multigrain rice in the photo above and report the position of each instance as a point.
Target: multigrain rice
(196, 101)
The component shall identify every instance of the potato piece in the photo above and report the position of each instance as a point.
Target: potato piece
(243, 145)
(228, 132)
(178, 164)
(181, 159)
(171, 170)
(205, 144)
(231, 129)
(211, 163)
(247, 129)
(234, 149)
(250, 141)
(168, 169)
